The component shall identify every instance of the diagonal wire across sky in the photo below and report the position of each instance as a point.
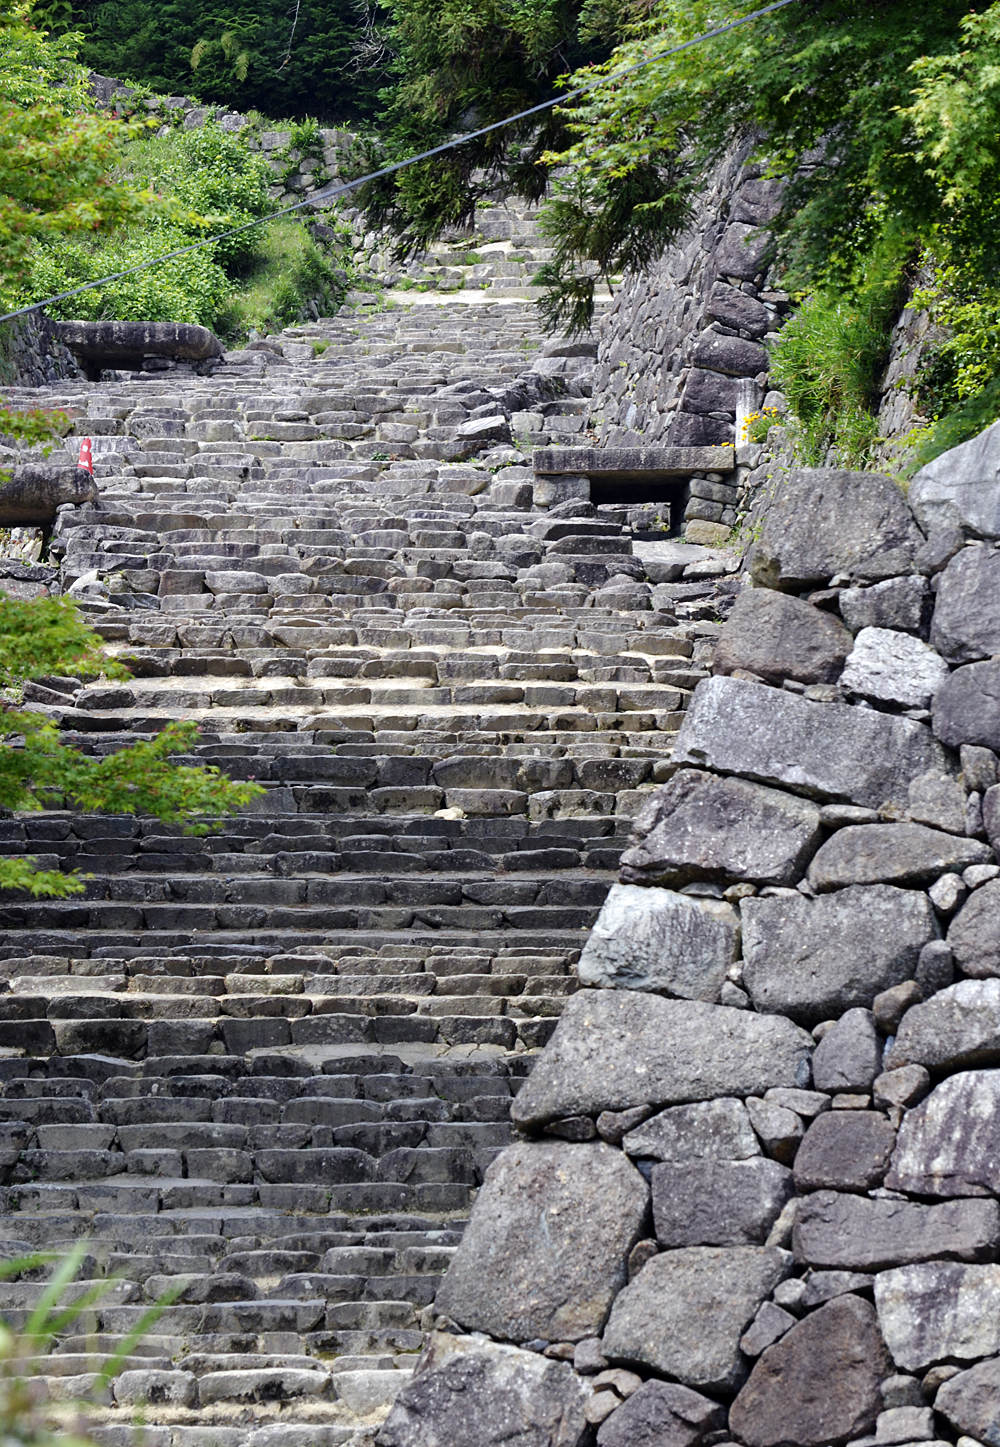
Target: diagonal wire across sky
(329, 193)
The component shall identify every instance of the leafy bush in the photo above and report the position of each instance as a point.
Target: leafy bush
(288, 277)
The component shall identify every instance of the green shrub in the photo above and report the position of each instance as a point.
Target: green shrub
(287, 279)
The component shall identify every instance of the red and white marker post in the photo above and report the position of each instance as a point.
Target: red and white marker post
(86, 456)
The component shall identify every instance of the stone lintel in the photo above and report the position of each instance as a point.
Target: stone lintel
(647, 464)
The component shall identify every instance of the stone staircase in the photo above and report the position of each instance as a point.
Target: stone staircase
(265, 1070)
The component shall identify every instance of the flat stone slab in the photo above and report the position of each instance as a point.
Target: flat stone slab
(961, 488)
(718, 1203)
(956, 1029)
(837, 1231)
(813, 959)
(655, 939)
(647, 464)
(685, 1312)
(614, 1049)
(713, 1130)
(939, 1310)
(471, 1392)
(700, 827)
(545, 1252)
(826, 751)
(949, 1144)
(904, 854)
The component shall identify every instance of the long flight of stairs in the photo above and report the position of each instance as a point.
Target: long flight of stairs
(266, 1069)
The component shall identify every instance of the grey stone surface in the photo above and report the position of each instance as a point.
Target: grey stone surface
(890, 667)
(967, 707)
(685, 1312)
(905, 854)
(732, 307)
(961, 488)
(937, 1310)
(956, 1029)
(613, 1049)
(903, 1087)
(949, 1144)
(834, 1230)
(938, 800)
(546, 1251)
(30, 494)
(813, 959)
(979, 767)
(991, 814)
(974, 933)
(824, 522)
(845, 1150)
(654, 939)
(770, 1323)
(966, 626)
(819, 1384)
(827, 751)
(713, 1130)
(900, 603)
(718, 1203)
(721, 830)
(119, 344)
(780, 1130)
(661, 1414)
(969, 1401)
(779, 637)
(471, 1392)
(849, 1056)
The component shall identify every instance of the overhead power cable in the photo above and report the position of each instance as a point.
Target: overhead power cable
(330, 192)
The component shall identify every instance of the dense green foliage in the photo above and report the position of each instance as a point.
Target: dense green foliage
(47, 636)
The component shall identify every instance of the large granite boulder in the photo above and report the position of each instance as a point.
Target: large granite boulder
(974, 933)
(662, 1414)
(939, 1310)
(779, 637)
(957, 1029)
(961, 488)
(813, 959)
(684, 1314)
(614, 1049)
(700, 827)
(711, 1130)
(949, 1144)
(654, 939)
(125, 344)
(546, 1250)
(966, 707)
(469, 1392)
(827, 751)
(718, 1203)
(819, 1384)
(835, 1231)
(30, 495)
(966, 625)
(895, 668)
(970, 1402)
(823, 522)
(904, 854)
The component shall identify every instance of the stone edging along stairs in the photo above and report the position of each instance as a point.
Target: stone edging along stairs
(271, 1066)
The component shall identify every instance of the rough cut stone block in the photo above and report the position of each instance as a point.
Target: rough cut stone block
(471, 1392)
(779, 637)
(966, 624)
(31, 493)
(905, 854)
(949, 1144)
(846, 1232)
(956, 1029)
(967, 707)
(849, 1055)
(846, 1150)
(969, 1401)
(974, 933)
(706, 828)
(817, 1385)
(714, 1130)
(823, 522)
(545, 1252)
(961, 488)
(824, 750)
(685, 1312)
(890, 667)
(813, 959)
(939, 1310)
(718, 1203)
(613, 1049)
(653, 939)
(661, 1414)
(900, 603)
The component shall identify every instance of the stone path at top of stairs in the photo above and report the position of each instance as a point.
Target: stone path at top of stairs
(267, 1068)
